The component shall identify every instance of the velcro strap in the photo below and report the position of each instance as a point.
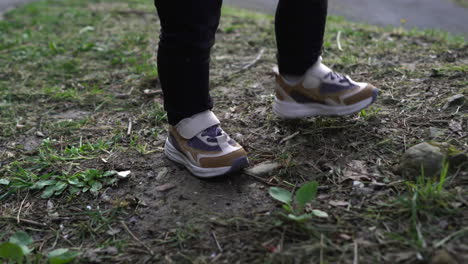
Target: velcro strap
(191, 126)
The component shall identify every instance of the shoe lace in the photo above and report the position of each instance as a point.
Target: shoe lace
(336, 76)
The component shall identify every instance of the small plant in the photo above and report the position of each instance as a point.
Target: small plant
(369, 113)
(297, 209)
(16, 250)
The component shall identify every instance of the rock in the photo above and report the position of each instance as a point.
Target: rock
(423, 155)
(263, 168)
(441, 256)
(455, 100)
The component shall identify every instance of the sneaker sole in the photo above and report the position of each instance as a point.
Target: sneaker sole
(173, 154)
(296, 110)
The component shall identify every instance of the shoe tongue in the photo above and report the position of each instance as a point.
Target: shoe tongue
(320, 70)
(213, 131)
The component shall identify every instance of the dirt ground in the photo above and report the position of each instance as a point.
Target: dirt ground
(94, 84)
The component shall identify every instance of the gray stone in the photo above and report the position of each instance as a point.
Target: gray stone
(422, 156)
(455, 100)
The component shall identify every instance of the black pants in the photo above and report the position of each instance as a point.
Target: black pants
(188, 32)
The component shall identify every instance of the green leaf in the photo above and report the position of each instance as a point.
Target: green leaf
(11, 251)
(305, 194)
(287, 208)
(109, 173)
(281, 195)
(96, 187)
(48, 192)
(59, 187)
(73, 181)
(22, 239)
(73, 190)
(300, 218)
(61, 256)
(319, 213)
(43, 183)
(4, 182)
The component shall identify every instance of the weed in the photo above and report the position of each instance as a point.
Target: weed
(296, 209)
(17, 249)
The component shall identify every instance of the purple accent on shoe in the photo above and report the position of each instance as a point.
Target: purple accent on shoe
(326, 88)
(196, 143)
(239, 164)
(213, 131)
(212, 140)
(300, 98)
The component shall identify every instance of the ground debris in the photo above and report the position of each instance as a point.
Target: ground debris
(263, 168)
(165, 187)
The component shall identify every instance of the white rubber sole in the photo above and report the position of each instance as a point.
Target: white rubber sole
(173, 154)
(296, 110)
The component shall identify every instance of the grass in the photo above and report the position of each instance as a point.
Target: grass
(75, 110)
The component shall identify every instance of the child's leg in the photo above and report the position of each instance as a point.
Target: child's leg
(195, 138)
(299, 26)
(187, 34)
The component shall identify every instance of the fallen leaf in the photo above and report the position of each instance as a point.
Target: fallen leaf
(356, 170)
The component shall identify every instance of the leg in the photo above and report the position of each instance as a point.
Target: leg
(187, 34)
(299, 26)
(195, 138)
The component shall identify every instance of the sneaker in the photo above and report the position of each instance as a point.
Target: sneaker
(203, 147)
(321, 92)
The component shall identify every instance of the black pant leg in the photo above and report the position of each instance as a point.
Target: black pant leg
(299, 26)
(187, 34)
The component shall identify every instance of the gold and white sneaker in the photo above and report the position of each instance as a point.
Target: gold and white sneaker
(199, 143)
(321, 92)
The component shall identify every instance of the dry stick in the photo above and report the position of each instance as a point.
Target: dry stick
(21, 207)
(31, 222)
(338, 42)
(321, 248)
(252, 63)
(246, 67)
(356, 256)
(129, 129)
(289, 137)
(216, 241)
(136, 238)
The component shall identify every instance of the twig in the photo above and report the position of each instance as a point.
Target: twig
(216, 241)
(125, 95)
(338, 42)
(31, 222)
(445, 240)
(21, 207)
(129, 129)
(252, 63)
(289, 137)
(321, 248)
(136, 238)
(356, 254)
